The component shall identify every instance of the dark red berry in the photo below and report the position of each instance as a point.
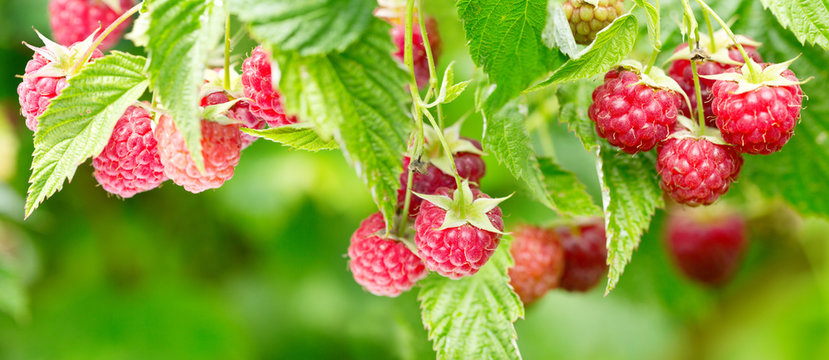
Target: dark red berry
(585, 255)
(631, 115)
(539, 262)
(696, 171)
(707, 250)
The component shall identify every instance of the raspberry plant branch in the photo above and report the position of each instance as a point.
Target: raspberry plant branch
(433, 76)
(754, 75)
(109, 29)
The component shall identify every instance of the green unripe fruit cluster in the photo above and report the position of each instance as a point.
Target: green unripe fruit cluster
(586, 20)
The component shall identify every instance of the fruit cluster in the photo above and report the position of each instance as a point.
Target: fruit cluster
(455, 231)
(572, 257)
(754, 107)
(587, 18)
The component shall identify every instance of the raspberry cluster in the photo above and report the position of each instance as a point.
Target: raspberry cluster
(572, 257)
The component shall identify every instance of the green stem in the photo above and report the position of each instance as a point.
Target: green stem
(109, 29)
(712, 47)
(227, 52)
(433, 78)
(755, 76)
(652, 61)
(693, 43)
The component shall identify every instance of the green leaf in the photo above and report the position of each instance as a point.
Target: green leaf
(79, 121)
(472, 318)
(652, 13)
(788, 173)
(504, 38)
(309, 27)
(630, 196)
(807, 19)
(506, 138)
(557, 33)
(298, 136)
(576, 98)
(181, 34)
(569, 196)
(611, 46)
(358, 98)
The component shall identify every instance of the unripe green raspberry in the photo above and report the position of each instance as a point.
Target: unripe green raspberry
(586, 20)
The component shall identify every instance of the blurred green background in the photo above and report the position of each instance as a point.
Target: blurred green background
(257, 269)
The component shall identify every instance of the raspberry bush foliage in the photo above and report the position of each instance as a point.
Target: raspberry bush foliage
(673, 113)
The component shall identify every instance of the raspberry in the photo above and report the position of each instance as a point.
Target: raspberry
(221, 145)
(759, 121)
(631, 115)
(539, 262)
(587, 20)
(707, 249)
(421, 60)
(457, 251)
(258, 85)
(585, 255)
(696, 171)
(74, 20)
(382, 266)
(240, 112)
(46, 76)
(129, 164)
(680, 71)
(470, 166)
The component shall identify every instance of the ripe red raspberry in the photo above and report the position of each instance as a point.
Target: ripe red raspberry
(587, 20)
(458, 251)
(759, 121)
(382, 266)
(240, 112)
(707, 249)
(539, 262)
(129, 164)
(631, 115)
(470, 166)
(74, 20)
(258, 85)
(680, 71)
(420, 59)
(585, 255)
(696, 171)
(221, 145)
(46, 76)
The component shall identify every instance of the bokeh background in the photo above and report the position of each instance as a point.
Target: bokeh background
(257, 269)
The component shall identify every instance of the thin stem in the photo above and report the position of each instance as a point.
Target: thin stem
(227, 52)
(433, 79)
(693, 43)
(109, 29)
(752, 71)
(712, 47)
(652, 61)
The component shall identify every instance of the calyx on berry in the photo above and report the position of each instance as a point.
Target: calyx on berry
(772, 75)
(722, 42)
(63, 60)
(462, 208)
(655, 78)
(435, 153)
(693, 130)
(214, 82)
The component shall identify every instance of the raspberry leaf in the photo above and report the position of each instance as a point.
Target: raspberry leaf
(297, 136)
(630, 196)
(568, 194)
(472, 317)
(79, 121)
(502, 34)
(309, 27)
(652, 13)
(505, 137)
(180, 35)
(808, 20)
(357, 98)
(612, 45)
(576, 99)
(449, 91)
(557, 32)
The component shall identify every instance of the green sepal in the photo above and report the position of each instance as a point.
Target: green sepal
(462, 210)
